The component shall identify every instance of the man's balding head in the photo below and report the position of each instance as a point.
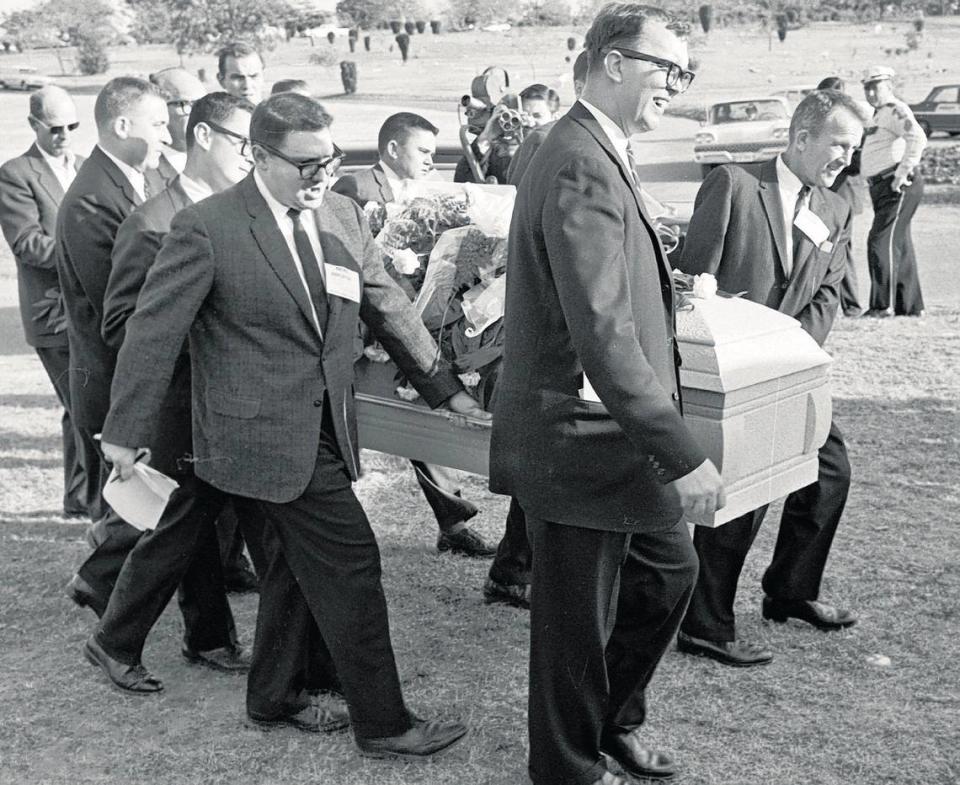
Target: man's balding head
(181, 89)
(53, 117)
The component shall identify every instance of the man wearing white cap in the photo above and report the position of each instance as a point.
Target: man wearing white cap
(892, 146)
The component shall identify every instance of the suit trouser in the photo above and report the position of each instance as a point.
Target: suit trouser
(894, 281)
(56, 362)
(603, 609)
(324, 563)
(442, 492)
(239, 524)
(514, 560)
(807, 526)
(182, 550)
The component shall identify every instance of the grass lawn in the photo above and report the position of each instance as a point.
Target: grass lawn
(822, 713)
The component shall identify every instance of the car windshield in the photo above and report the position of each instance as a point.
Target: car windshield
(743, 111)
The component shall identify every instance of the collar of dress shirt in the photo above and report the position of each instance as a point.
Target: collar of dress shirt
(613, 132)
(134, 177)
(285, 223)
(279, 211)
(196, 190)
(177, 159)
(65, 162)
(788, 182)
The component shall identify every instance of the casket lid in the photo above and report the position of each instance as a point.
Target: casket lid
(728, 343)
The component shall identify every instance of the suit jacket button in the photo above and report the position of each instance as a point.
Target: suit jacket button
(675, 396)
(318, 403)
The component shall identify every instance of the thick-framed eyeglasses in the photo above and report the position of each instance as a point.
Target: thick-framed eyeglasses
(677, 78)
(181, 107)
(309, 169)
(56, 130)
(245, 144)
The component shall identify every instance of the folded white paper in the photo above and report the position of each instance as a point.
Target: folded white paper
(140, 500)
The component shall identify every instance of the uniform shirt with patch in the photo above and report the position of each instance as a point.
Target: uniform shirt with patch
(893, 138)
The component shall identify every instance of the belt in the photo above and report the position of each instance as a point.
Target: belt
(876, 178)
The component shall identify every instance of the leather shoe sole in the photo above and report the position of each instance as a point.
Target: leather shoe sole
(424, 740)
(658, 766)
(737, 654)
(227, 659)
(311, 719)
(820, 615)
(131, 679)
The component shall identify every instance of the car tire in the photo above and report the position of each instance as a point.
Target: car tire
(926, 128)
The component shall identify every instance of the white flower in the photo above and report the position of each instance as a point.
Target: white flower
(704, 286)
(407, 393)
(470, 379)
(376, 353)
(406, 262)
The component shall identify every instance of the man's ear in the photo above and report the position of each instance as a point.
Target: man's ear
(393, 148)
(201, 135)
(121, 127)
(801, 139)
(613, 65)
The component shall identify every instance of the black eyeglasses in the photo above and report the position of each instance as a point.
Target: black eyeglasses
(56, 130)
(182, 107)
(245, 143)
(309, 169)
(677, 78)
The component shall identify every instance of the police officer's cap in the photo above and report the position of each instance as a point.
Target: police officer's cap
(878, 73)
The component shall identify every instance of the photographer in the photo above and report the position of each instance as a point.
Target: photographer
(495, 146)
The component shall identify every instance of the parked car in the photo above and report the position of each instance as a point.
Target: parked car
(795, 94)
(742, 131)
(939, 111)
(22, 77)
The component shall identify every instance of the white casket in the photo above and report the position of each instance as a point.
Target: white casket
(755, 389)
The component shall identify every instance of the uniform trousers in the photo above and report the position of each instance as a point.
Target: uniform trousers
(604, 607)
(324, 575)
(807, 526)
(56, 362)
(894, 280)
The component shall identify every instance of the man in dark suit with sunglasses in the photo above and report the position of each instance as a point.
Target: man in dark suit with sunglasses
(268, 278)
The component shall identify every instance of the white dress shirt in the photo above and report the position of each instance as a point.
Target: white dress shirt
(196, 190)
(613, 132)
(789, 185)
(177, 159)
(64, 167)
(134, 177)
(285, 225)
(396, 182)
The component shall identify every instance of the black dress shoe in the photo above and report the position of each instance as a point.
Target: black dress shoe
(819, 614)
(515, 594)
(739, 654)
(83, 595)
(636, 759)
(240, 578)
(424, 739)
(311, 719)
(228, 659)
(129, 678)
(465, 542)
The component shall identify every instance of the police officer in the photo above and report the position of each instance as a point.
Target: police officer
(892, 146)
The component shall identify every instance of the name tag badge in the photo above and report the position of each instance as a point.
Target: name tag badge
(808, 223)
(342, 282)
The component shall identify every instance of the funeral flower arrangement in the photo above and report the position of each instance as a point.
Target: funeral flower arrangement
(446, 245)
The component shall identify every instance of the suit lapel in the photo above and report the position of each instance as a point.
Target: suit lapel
(380, 177)
(274, 248)
(45, 176)
(770, 198)
(119, 178)
(325, 220)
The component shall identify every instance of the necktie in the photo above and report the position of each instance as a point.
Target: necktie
(797, 234)
(311, 269)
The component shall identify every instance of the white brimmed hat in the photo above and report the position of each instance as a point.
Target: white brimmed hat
(878, 73)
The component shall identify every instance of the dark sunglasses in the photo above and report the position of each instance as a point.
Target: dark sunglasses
(677, 78)
(56, 130)
(245, 143)
(309, 169)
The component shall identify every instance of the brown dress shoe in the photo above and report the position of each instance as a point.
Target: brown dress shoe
(739, 654)
(636, 759)
(310, 719)
(129, 678)
(228, 659)
(425, 738)
(819, 614)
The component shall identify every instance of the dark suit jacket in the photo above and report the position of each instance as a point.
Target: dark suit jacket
(260, 370)
(369, 185)
(30, 195)
(531, 143)
(95, 205)
(737, 234)
(138, 242)
(588, 291)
